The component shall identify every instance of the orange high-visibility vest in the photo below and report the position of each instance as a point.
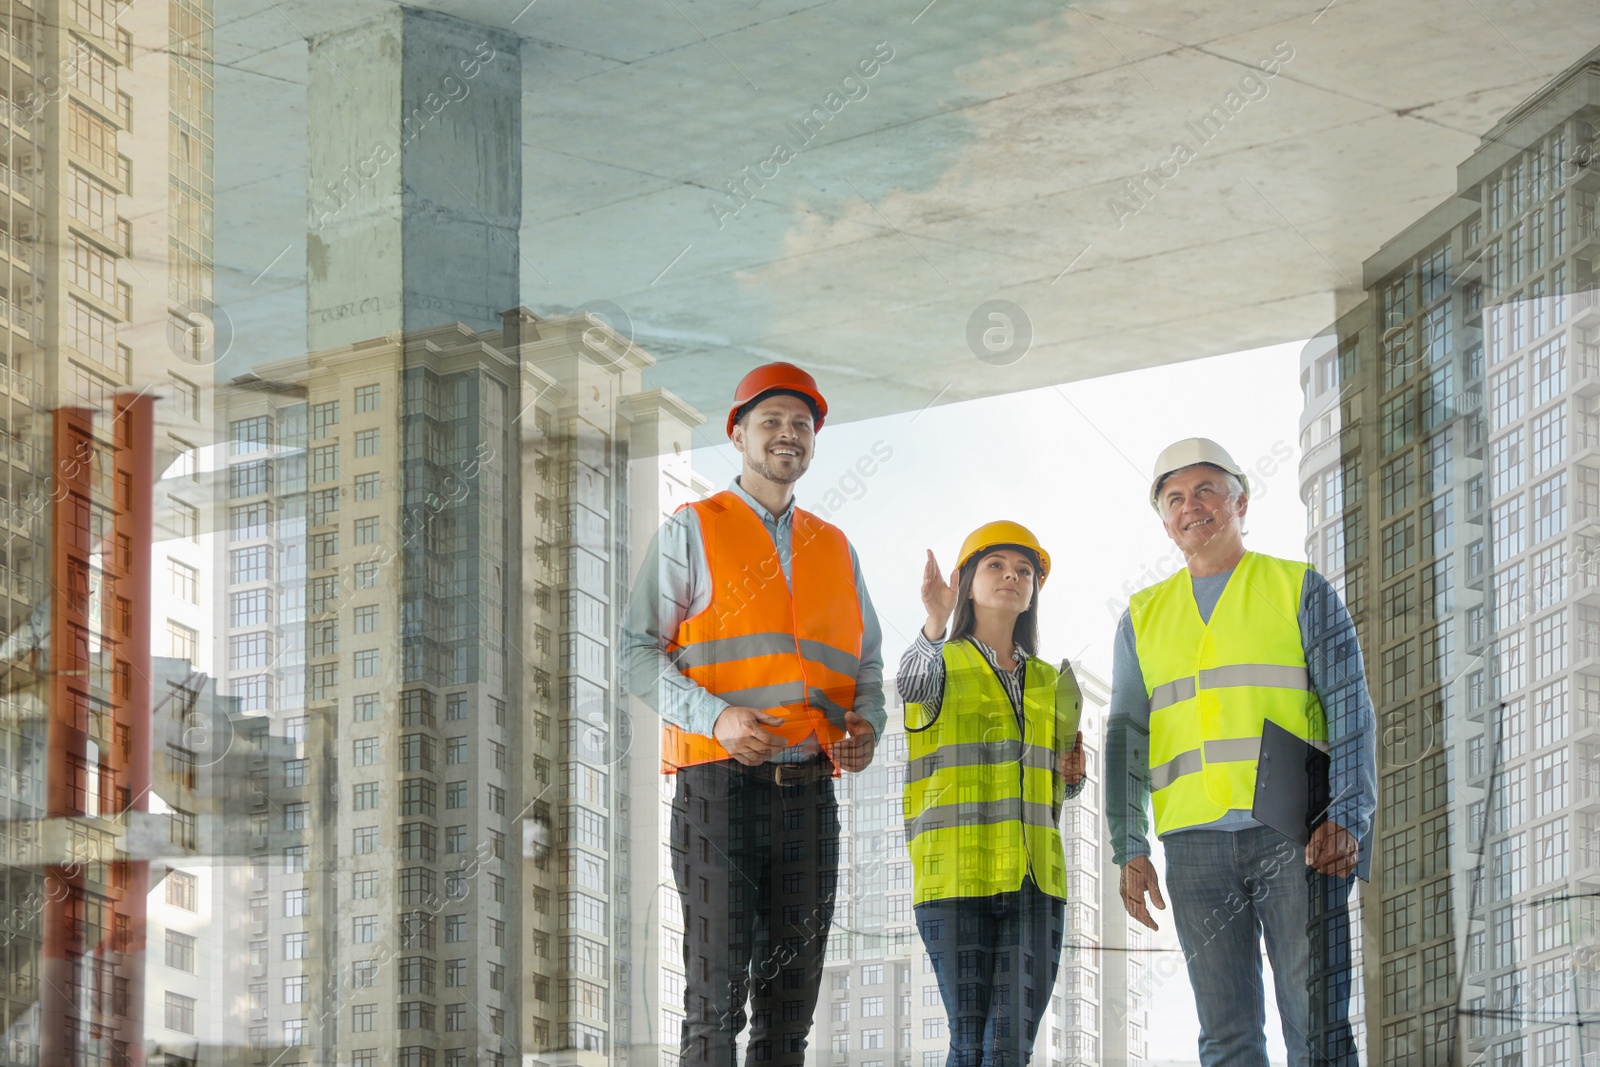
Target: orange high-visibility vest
(756, 644)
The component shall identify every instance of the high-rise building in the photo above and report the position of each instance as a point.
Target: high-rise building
(424, 557)
(107, 115)
(1458, 483)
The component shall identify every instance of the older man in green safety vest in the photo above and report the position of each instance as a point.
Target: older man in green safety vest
(1202, 661)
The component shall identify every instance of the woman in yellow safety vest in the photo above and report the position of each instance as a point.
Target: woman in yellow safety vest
(994, 750)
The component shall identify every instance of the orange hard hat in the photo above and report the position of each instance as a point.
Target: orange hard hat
(774, 378)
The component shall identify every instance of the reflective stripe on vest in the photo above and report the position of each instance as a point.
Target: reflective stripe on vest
(1213, 685)
(981, 799)
(757, 644)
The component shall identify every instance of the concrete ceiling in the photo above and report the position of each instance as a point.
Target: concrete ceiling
(982, 164)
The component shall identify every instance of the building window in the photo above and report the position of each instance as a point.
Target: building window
(364, 885)
(294, 859)
(322, 681)
(250, 564)
(417, 753)
(1550, 852)
(1550, 508)
(367, 531)
(184, 581)
(366, 663)
(1505, 396)
(417, 797)
(1507, 470)
(249, 651)
(294, 773)
(91, 201)
(249, 608)
(180, 1013)
(295, 946)
(181, 641)
(418, 841)
(1510, 533)
(367, 442)
(366, 751)
(185, 520)
(324, 417)
(325, 463)
(249, 479)
(183, 890)
(364, 840)
(363, 1018)
(367, 398)
(367, 486)
(183, 829)
(180, 951)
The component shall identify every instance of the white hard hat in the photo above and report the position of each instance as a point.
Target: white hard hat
(1188, 452)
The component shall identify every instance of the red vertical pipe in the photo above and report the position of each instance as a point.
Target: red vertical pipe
(70, 964)
(66, 738)
(135, 459)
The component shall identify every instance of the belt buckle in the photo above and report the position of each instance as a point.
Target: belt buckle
(791, 773)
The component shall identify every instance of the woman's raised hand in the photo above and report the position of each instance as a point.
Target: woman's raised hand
(938, 596)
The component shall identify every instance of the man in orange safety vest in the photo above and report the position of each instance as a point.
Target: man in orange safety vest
(751, 632)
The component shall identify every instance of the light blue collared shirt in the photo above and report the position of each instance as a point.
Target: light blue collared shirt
(674, 583)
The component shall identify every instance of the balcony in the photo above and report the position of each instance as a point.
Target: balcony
(18, 184)
(18, 50)
(24, 254)
(12, 380)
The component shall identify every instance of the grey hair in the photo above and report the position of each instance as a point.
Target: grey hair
(1234, 483)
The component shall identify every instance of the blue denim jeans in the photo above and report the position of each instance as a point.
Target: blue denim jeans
(1230, 892)
(996, 959)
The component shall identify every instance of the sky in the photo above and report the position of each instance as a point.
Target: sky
(1073, 464)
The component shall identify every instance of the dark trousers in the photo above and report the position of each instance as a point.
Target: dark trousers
(996, 959)
(757, 867)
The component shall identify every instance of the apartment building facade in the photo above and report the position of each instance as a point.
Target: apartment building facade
(1457, 488)
(107, 112)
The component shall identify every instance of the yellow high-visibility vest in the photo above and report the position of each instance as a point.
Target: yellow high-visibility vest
(981, 798)
(1213, 685)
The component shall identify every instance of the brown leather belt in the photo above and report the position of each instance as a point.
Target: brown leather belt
(801, 773)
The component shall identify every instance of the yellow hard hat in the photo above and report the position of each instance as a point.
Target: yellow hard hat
(1004, 532)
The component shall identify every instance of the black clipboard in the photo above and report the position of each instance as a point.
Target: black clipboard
(1292, 792)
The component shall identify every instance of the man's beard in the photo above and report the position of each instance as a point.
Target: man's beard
(764, 467)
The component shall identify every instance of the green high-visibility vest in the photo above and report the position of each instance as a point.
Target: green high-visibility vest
(1213, 685)
(981, 795)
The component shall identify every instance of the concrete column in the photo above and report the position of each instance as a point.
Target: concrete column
(415, 177)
